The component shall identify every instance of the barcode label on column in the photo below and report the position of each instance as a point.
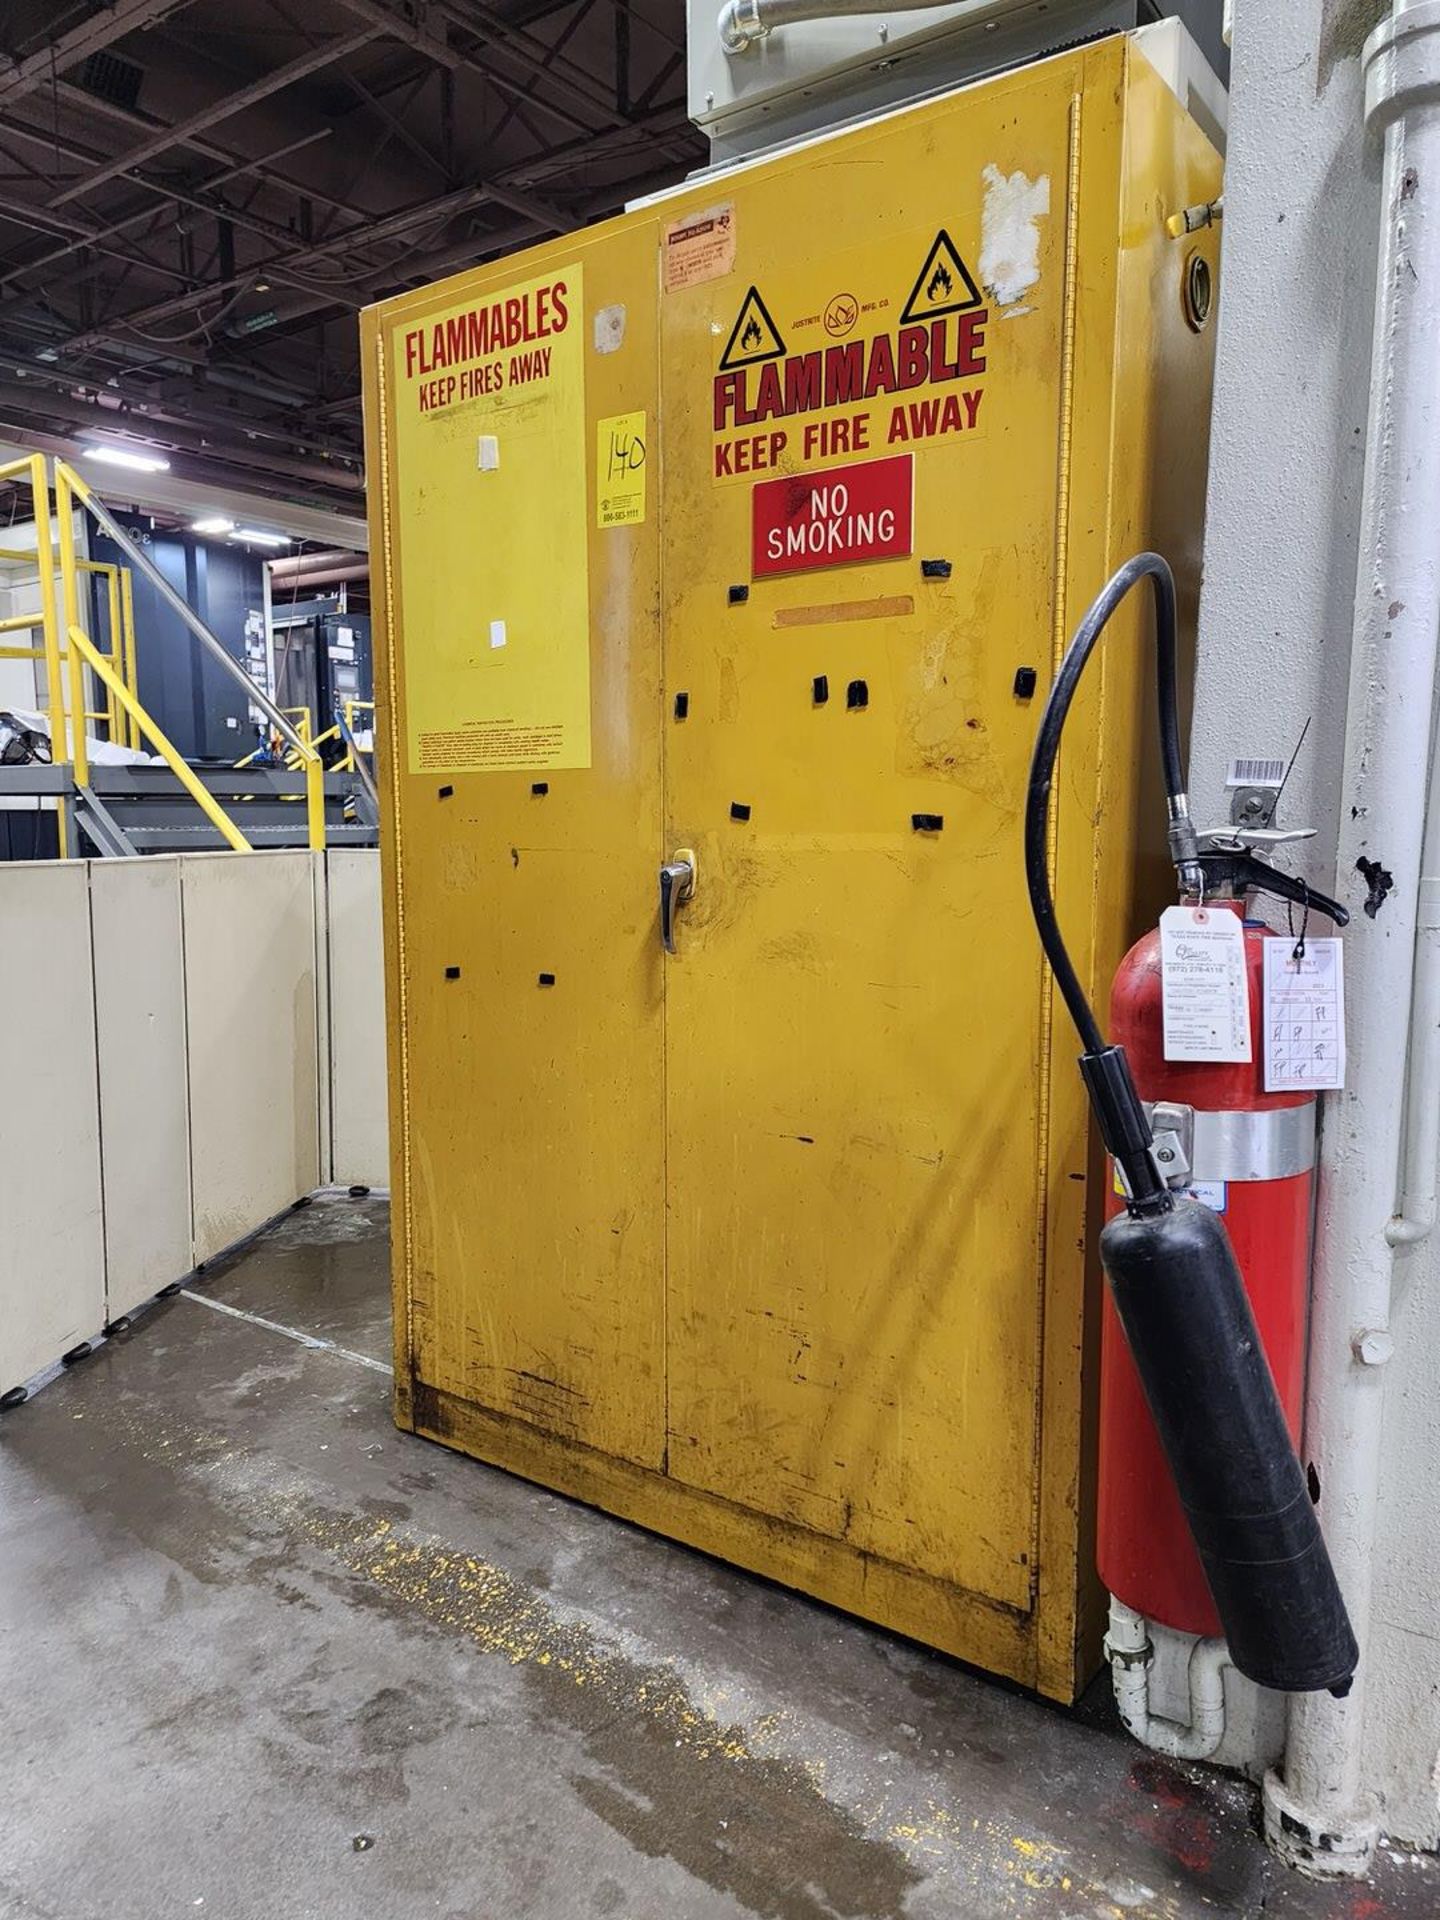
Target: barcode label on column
(1256, 773)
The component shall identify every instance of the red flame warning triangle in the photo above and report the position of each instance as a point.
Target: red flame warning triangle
(943, 285)
(754, 335)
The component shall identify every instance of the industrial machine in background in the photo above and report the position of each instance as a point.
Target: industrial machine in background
(743, 1182)
(202, 708)
(322, 660)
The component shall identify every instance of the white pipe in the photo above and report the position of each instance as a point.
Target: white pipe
(1420, 1189)
(1318, 1815)
(1128, 1649)
(743, 22)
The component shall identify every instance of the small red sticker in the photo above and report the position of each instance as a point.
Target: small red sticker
(834, 518)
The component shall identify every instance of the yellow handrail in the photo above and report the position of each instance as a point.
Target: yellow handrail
(127, 635)
(76, 486)
(69, 651)
(180, 767)
(70, 589)
(115, 717)
(33, 466)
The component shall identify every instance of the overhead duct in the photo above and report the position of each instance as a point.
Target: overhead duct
(327, 569)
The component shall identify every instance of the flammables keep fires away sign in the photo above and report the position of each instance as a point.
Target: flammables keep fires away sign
(887, 352)
(492, 528)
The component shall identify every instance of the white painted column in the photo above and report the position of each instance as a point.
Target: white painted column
(1320, 1813)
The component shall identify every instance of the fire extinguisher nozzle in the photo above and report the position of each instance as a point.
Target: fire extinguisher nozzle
(1189, 1326)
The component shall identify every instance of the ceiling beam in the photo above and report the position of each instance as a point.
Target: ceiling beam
(185, 404)
(19, 77)
(93, 235)
(569, 93)
(18, 398)
(387, 18)
(324, 55)
(399, 224)
(88, 106)
(177, 494)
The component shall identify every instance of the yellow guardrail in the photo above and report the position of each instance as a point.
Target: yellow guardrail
(124, 713)
(69, 651)
(32, 466)
(172, 757)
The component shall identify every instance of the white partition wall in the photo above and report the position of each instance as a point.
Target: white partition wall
(251, 1012)
(359, 1139)
(193, 1042)
(135, 931)
(52, 1253)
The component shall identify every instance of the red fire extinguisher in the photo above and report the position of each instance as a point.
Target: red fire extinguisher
(1170, 1267)
(1248, 1154)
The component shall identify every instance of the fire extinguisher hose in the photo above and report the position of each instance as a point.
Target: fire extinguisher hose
(1122, 1120)
(1174, 1278)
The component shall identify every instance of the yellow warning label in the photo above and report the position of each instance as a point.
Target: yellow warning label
(754, 335)
(888, 351)
(620, 469)
(492, 529)
(943, 284)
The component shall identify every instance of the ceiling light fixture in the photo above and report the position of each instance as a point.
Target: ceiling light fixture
(258, 539)
(212, 523)
(122, 457)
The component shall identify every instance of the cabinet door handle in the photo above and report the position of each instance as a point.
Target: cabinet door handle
(677, 884)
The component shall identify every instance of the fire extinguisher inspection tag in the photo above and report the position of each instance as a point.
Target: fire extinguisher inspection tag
(1204, 987)
(1304, 1015)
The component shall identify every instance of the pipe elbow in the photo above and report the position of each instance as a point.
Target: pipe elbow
(1408, 1229)
(1130, 1653)
(740, 25)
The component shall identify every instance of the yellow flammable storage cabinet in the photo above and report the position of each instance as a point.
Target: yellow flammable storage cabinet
(744, 531)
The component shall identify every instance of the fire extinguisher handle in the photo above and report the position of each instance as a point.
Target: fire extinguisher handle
(1243, 871)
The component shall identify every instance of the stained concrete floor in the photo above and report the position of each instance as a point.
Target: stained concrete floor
(264, 1658)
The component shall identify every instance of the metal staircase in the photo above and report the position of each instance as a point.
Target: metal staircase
(124, 810)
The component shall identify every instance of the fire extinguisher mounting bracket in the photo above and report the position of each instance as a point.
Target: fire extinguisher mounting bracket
(1173, 1127)
(1202, 1145)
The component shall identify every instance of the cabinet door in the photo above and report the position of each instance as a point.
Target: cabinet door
(854, 1012)
(526, 727)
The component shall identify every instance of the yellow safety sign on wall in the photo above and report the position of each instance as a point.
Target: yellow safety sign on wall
(880, 350)
(490, 409)
(621, 452)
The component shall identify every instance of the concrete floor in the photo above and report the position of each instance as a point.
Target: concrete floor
(264, 1658)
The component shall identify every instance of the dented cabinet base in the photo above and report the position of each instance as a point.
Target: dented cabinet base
(734, 538)
(933, 1611)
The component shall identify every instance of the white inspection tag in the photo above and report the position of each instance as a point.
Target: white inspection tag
(1304, 1015)
(1204, 991)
